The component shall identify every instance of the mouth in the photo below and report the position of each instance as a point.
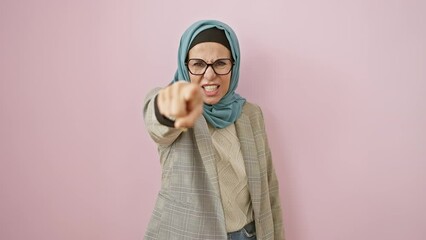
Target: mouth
(210, 90)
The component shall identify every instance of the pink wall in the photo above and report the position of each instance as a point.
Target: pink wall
(342, 85)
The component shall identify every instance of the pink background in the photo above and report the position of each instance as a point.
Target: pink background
(342, 85)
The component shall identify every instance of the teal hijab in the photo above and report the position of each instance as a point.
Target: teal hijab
(228, 109)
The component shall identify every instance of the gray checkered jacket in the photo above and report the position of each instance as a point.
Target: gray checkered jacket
(189, 205)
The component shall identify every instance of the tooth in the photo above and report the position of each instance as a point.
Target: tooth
(210, 88)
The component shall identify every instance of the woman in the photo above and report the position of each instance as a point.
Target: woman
(218, 181)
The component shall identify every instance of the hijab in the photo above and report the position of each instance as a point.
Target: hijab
(228, 109)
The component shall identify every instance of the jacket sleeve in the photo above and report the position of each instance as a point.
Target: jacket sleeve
(161, 132)
(274, 195)
(275, 201)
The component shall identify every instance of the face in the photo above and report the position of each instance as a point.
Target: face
(213, 86)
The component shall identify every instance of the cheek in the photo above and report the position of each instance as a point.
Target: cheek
(227, 84)
(195, 79)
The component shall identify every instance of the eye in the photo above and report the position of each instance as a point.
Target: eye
(221, 63)
(197, 63)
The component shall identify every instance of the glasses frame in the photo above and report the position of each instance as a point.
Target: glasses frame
(209, 65)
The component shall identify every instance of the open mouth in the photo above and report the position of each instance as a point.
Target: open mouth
(210, 88)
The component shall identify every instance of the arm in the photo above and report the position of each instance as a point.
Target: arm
(273, 185)
(180, 101)
(275, 199)
(161, 133)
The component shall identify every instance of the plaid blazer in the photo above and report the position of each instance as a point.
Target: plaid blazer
(189, 205)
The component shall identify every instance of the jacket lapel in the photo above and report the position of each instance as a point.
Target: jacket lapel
(249, 151)
(207, 153)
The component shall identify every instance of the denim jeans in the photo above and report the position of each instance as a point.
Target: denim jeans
(248, 232)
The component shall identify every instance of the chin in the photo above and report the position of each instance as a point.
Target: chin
(211, 101)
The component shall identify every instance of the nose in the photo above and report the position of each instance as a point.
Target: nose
(209, 74)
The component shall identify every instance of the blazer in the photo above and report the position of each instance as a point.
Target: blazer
(188, 205)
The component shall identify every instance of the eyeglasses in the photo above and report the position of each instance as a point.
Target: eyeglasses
(198, 66)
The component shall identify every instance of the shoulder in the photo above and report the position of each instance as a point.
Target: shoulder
(254, 113)
(252, 110)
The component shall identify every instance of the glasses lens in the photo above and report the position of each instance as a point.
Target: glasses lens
(222, 66)
(197, 66)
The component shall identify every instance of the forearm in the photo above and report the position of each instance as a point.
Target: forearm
(160, 131)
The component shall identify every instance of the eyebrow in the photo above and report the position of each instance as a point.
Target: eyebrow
(211, 61)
